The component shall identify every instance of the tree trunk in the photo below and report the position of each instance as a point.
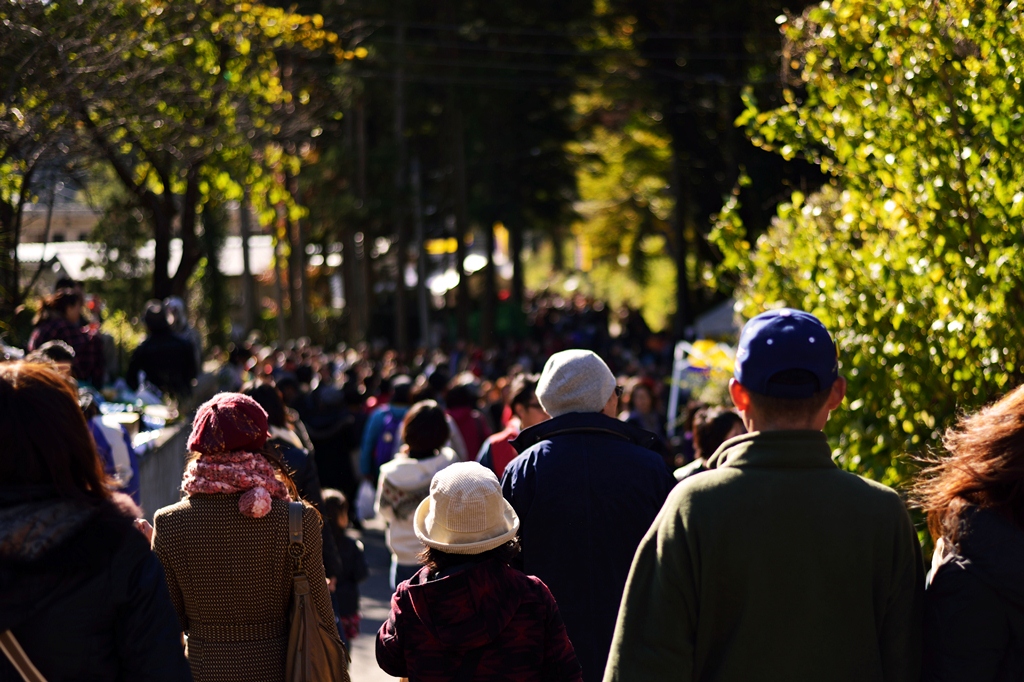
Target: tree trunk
(421, 256)
(161, 252)
(515, 254)
(401, 238)
(279, 272)
(249, 307)
(191, 249)
(679, 217)
(214, 294)
(462, 300)
(490, 302)
(296, 266)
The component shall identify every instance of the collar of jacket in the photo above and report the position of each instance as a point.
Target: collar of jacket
(583, 422)
(774, 450)
(992, 548)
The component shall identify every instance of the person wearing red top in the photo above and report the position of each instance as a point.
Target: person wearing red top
(461, 403)
(497, 451)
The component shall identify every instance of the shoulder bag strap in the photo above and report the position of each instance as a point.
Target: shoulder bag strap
(16, 655)
(295, 546)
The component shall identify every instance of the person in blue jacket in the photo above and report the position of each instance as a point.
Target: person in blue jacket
(586, 487)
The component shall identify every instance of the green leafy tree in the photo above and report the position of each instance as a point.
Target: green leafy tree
(911, 252)
(34, 134)
(178, 98)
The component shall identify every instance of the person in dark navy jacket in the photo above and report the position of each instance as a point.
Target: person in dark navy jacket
(586, 487)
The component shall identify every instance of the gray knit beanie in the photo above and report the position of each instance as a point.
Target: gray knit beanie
(575, 381)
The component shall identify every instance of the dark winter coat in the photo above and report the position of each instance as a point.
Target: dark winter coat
(83, 593)
(974, 605)
(586, 488)
(354, 571)
(302, 466)
(168, 361)
(504, 623)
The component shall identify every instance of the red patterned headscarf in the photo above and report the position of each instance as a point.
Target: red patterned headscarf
(225, 432)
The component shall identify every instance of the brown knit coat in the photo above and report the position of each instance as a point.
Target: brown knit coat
(230, 580)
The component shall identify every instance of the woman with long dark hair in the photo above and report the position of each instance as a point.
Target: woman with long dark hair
(225, 548)
(974, 500)
(80, 589)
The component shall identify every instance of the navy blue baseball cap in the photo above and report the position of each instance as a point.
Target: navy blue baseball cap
(781, 340)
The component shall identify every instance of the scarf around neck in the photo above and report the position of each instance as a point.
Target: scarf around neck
(237, 472)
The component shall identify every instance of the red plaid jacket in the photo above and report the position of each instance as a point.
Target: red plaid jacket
(507, 620)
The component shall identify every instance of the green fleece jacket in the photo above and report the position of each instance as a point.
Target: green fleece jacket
(774, 565)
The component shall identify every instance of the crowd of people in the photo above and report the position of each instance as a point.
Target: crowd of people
(541, 524)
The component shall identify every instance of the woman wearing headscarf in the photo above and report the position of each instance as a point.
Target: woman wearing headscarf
(974, 499)
(225, 548)
(81, 593)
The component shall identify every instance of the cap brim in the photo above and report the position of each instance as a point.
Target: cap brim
(419, 526)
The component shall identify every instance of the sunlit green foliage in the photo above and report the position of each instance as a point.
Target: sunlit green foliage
(912, 253)
(184, 100)
(623, 164)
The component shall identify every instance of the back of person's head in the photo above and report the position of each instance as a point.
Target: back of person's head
(438, 380)
(773, 408)
(711, 428)
(60, 301)
(523, 389)
(575, 381)
(351, 395)
(176, 312)
(425, 429)
(44, 440)
(270, 400)
(335, 504)
(238, 355)
(401, 389)
(983, 468)
(304, 374)
(461, 395)
(65, 283)
(55, 351)
(155, 317)
(787, 362)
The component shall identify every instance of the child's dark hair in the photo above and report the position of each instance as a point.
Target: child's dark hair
(438, 561)
(335, 504)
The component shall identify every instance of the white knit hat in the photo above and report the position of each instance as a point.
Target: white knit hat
(575, 381)
(465, 512)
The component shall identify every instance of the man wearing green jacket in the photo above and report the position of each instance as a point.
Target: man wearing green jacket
(774, 564)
